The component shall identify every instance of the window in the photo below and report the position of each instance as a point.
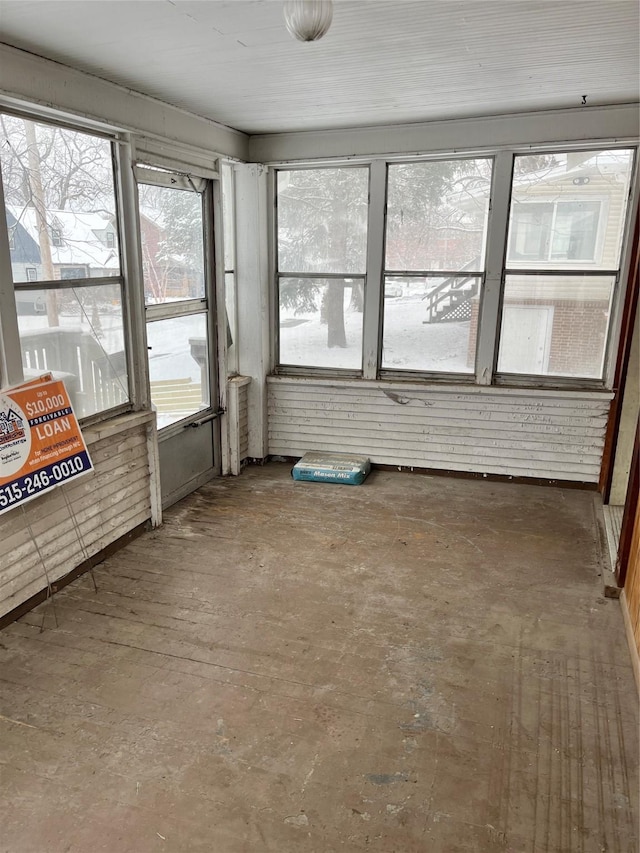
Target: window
(435, 244)
(554, 231)
(12, 238)
(110, 238)
(565, 234)
(69, 273)
(59, 191)
(552, 223)
(321, 253)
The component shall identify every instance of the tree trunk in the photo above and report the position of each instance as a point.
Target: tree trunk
(37, 200)
(336, 335)
(357, 297)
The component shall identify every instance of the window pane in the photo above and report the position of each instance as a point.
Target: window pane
(77, 333)
(568, 209)
(530, 231)
(321, 322)
(555, 325)
(437, 215)
(575, 230)
(178, 367)
(322, 220)
(172, 237)
(60, 202)
(430, 324)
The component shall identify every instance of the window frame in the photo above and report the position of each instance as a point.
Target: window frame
(569, 268)
(430, 375)
(302, 370)
(494, 275)
(125, 228)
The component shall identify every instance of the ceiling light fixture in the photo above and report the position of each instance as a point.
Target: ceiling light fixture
(308, 20)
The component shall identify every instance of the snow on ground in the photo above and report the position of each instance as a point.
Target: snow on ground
(408, 343)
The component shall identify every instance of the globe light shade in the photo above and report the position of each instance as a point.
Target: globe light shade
(308, 20)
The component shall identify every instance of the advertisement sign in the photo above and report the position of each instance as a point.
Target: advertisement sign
(41, 445)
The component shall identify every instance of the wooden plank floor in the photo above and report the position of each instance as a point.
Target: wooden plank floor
(416, 664)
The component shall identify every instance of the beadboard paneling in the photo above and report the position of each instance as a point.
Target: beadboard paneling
(519, 433)
(107, 504)
(238, 421)
(243, 422)
(382, 63)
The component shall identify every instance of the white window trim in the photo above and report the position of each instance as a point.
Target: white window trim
(11, 369)
(496, 267)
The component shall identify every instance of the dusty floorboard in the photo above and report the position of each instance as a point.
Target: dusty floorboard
(416, 664)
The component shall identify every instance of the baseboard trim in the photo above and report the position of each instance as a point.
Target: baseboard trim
(443, 472)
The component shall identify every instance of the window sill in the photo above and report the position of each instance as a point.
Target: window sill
(116, 425)
(446, 387)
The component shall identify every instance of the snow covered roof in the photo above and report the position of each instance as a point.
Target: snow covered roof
(82, 237)
(610, 163)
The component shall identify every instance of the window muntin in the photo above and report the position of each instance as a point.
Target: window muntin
(60, 199)
(436, 221)
(566, 225)
(322, 235)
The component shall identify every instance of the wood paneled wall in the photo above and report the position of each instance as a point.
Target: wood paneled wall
(633, 581)
(237, 422)
(106, 505)
(514, 432)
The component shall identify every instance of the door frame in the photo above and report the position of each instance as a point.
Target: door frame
(207, 189)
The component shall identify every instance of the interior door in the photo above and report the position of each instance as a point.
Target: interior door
(177, 258)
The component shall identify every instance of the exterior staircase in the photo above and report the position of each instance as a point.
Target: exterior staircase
(451, 300)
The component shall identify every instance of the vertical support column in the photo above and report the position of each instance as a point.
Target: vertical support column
(254, 316)
(218, 315)
(490, 305)
(10, 358)
(136, 328)
(129, 221)
(375, 266)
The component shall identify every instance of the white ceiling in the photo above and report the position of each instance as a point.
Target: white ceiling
(380, 63)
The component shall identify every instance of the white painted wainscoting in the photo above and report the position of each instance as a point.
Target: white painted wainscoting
(238, 423)
(557, 435)
(107, 504)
